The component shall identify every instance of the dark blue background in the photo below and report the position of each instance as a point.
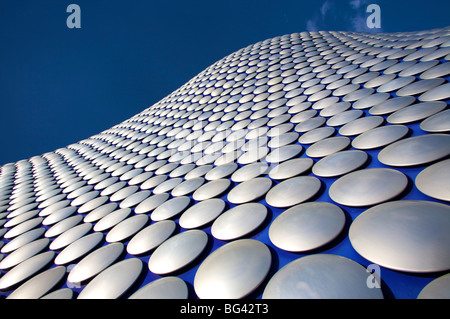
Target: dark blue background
(60, 85)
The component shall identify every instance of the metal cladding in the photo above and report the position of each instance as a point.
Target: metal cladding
(292, 168)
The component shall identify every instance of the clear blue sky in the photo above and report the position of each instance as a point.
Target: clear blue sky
(61, 85)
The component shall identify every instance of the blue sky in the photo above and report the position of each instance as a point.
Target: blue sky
(61, 85)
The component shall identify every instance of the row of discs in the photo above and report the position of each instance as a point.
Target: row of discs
(274, 149)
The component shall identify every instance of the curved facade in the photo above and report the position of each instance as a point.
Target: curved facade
(310, 165)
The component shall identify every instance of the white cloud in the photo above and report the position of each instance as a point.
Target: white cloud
(359, 24)
(317, 20)
(354, 12)
(326, 6)
(311, 25)
(355, 4)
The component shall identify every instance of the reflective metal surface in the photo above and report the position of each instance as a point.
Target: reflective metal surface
(321, 276)
(113, 281)
(434, 180)
(368, 187)
(379, 137)
(23, 253)
(340, 163)
(239, 221)
(39, 285)
(293, 191)
(164, 288)
(437, 289)
(249, 190)
(26, 269)
(126, 228)
(95, 262)
(78, 248)
(306, 226)
(233, 271)
(244, 149)
(170, 208)
(177, 252)
(211, 189)
(151, 237)
(416, 240)
(202, 213)
(416, 150)
(70, 235)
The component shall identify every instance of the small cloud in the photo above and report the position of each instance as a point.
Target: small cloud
(326, 6)
(317, 20)
(355, 4)
(359, 24)
(311, 25)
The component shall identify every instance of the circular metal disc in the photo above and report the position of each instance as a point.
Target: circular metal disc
(368, 187)
(396, 84)
(64, 293)
(316, 135)
(293, 191)
(134, 199)
(361, 125)
(25, 269)
(284, 153)
(416, 112)
(221, 171)
(291, 168)
(78, 248)
(187, 187)
(100, 212)
(437, 123)
(95, 262)
(70, 235)
(177, 252)
(23, 253)
(150, 237)
(434, 180)
(370, 101)
(59, 215)
(163, 288)
(239, 221)
(249, 190)
(63, 226)
(441, 92)
(328, 146)
(170, 208)
(416, 150)
(340, 163)
(250, 171)
(202, 213)
(113, 281)
(39, 285)
(112, 219)
(407, 235)
(321, 276)
(437, 289)
(307, 226)
(22, 240)
(344, 117)
(379, 137)
(211, 189)
(23, 227)
(126, 228)
(419, 87)
(151, 203)
(392, 105)
(233, 270)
